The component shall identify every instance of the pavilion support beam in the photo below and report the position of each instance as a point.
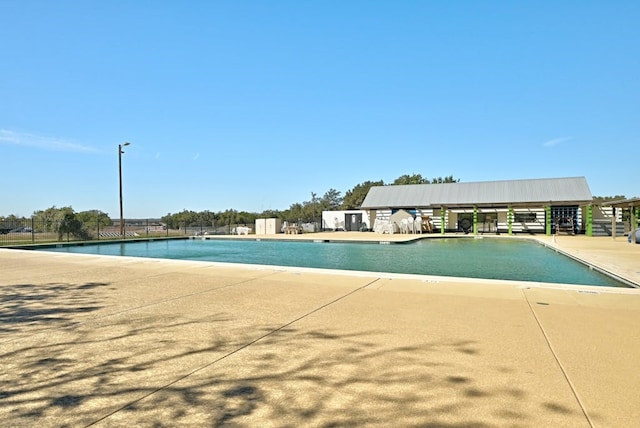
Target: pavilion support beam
(510, 220)
(372, 218)
(547, 220)
(443, 216)
(475, 220)
(589, 225)
(613, 222)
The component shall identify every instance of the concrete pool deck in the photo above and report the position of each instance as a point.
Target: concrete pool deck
(114, 341)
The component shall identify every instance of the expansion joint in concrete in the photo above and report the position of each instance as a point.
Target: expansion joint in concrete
(235, 351)
(560, 365)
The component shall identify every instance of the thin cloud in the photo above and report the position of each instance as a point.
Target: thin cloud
(556, 141)
(40, 142)
(196, 156)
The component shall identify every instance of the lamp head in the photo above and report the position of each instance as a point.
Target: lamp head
(120, 146)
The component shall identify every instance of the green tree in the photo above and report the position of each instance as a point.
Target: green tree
(602, 199)
(169, 221)
(246, 218)
(448, 179)
(310, 211)
(186, 218)
(12, 218)
(228, 218)
(331, 200)
(316, 210)
(410, 179)
(294, 213)
(50, 219)
(419, 179)
(353, 198)
(94, 218)
(271, 214)
(207, 218)
(72, 226)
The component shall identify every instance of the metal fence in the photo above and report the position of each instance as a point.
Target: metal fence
(32, 231)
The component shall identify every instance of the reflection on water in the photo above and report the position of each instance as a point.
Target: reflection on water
(512, 259)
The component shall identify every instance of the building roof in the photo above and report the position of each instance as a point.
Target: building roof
(624, 203)
(557, 191)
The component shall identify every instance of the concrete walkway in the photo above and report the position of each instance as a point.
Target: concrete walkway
(114, 341)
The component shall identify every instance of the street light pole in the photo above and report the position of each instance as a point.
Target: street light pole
(120, 152)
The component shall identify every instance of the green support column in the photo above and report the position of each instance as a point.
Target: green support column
(637, 211)
(443, 211)
(547, 221)
(589, 228)
(510, 220)
(475, 220)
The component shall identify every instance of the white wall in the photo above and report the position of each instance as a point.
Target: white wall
(261, 226)
(274, 225)
(332, 220)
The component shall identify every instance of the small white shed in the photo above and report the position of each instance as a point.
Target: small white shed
(268, 226)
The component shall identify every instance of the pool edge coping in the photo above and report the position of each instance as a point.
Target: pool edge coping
(373, 274)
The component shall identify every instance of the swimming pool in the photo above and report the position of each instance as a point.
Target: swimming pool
(510, 259)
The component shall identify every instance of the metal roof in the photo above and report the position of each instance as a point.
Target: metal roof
(557, 191)
(624, 203)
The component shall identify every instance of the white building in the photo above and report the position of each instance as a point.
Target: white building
(527, 206)
(347, 220)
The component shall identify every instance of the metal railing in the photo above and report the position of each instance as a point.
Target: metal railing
(32, 231)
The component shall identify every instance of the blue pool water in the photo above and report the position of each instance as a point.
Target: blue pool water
(520, 260)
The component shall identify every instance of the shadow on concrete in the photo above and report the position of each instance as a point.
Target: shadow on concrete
(318, 378)
(158, 370)
(30, 308)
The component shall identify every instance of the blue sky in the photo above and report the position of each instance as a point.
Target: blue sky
(253, 105)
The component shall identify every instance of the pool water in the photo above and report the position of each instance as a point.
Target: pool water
(520, 260)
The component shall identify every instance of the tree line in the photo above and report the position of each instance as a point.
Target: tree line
(51, 219)
(308, 211)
